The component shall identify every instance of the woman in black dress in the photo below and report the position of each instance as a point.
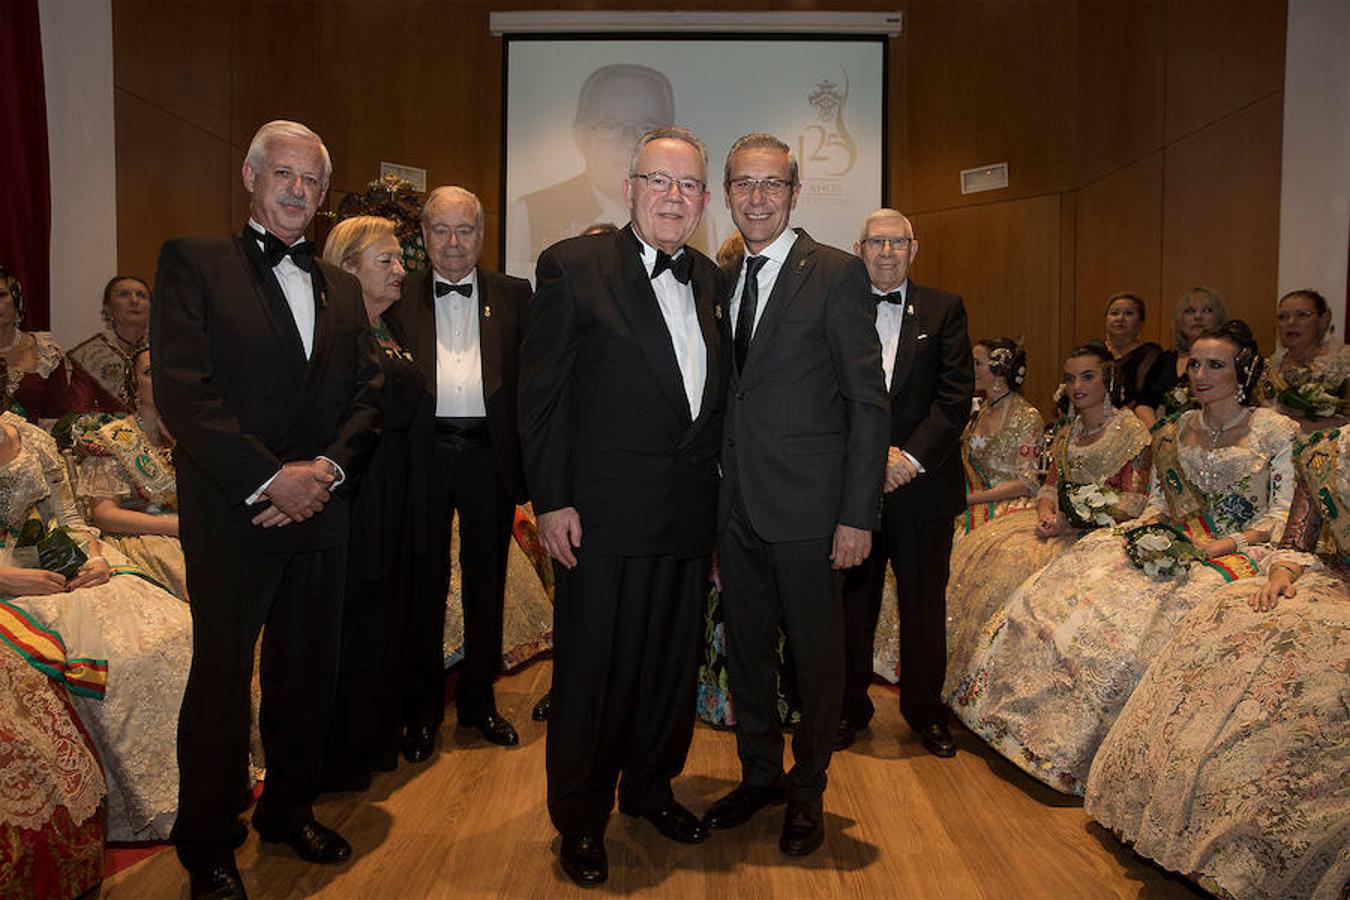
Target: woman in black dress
(1138, 362)
(364, 735)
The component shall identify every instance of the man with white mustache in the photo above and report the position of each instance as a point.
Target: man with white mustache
(265, 373)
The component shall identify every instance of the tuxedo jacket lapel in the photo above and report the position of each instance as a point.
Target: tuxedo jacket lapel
(914, 325)
(637, 301)
(323, 322)
(489, 340)
(704, 299)
(271, 299)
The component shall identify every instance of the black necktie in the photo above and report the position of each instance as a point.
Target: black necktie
(301, 252)
(896, 297)
(445, 287)
(745, 318)
(681, 266)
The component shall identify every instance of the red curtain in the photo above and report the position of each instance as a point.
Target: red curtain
(25, 190)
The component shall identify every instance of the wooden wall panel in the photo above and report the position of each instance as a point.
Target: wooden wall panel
(1221, 56)
(1221, 214)
(1121, 84)
(1003, 259)
(989, 81)
(176, 56)
(1119, 245)
(171, 185)
(274, 67)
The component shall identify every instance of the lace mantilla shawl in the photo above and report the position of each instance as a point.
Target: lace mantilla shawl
(49, 356)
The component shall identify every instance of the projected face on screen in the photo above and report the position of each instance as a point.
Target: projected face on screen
(619, 104)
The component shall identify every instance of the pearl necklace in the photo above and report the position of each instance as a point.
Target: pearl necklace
(1215, 433)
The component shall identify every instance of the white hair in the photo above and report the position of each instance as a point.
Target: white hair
(449, 192)
(885, 213)
(257, 148)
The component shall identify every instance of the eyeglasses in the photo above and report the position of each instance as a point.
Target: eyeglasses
(772, 187)
(661, 182)
(879, 243)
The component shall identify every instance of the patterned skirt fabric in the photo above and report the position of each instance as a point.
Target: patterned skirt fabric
(1051, 671)
(1229, 762)
(52, 825)
(159, 556)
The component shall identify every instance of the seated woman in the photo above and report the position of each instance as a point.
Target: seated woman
(51, 786)
(1200, 309)
(1099, 473)
(127, 483)
(106, 358)
(131, 639)
(42, 386)
(1053, 669)
(1308, 376)
(1228, 762)
(1138, 362)
(1001, 446)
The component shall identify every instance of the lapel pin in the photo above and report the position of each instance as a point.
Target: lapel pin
(801, 264)
(717, 311)
(487, 312)
(909, 310)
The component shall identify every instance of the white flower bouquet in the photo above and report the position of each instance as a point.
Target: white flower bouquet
(1160, 550)
(1087, 506)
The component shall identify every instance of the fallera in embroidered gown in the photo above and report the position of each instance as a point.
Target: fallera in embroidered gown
(1013, 453)
(1228, 762)
(990, 564)
(1053, 669)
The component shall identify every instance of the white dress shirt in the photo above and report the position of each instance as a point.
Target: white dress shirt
(459, 352)
(298, 288)
(677, 308)
(774, 256)
(890, 319)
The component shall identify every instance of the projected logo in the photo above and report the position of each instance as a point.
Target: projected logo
(826, 151)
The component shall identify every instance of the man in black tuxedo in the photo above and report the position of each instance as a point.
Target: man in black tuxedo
(621, 398)
(464, 327)
(265, 374)
(802, 466)
(926, 354)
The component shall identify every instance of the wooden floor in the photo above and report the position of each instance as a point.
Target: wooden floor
(900, 823)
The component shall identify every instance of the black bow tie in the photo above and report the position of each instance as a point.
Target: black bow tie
(681, 266)
(445, 287)
(896, 297)
(301, 252)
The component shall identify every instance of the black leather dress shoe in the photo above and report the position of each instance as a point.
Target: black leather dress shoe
(314, 843)
(677, 823)
(740, 806)
(542, 708)
(843, 738)
(937, 740)
(583, 859)
(495, 729)
(221, 882)
(419, 742)
(803, 827)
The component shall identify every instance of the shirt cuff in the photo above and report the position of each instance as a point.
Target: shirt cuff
(918, 465)
(339, 476)
(262, 489)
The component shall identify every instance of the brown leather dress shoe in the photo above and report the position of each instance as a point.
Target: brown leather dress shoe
(740, 806)
(583, 859)
(803, 827)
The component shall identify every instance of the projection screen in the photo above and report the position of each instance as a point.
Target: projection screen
(576, 104)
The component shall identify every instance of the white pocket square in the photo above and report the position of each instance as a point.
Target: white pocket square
(921, 337)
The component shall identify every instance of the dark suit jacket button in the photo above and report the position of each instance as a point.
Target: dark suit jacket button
(731, 442)
(740, 395)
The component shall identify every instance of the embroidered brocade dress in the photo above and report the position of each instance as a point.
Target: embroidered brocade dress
(1228, 763)
(143, 633)
(1052, 670)
(107, 363)
(54, 389)
(988, 566)
(1327, 375)
(120, 464)
(1012, 454)
(51, 789)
